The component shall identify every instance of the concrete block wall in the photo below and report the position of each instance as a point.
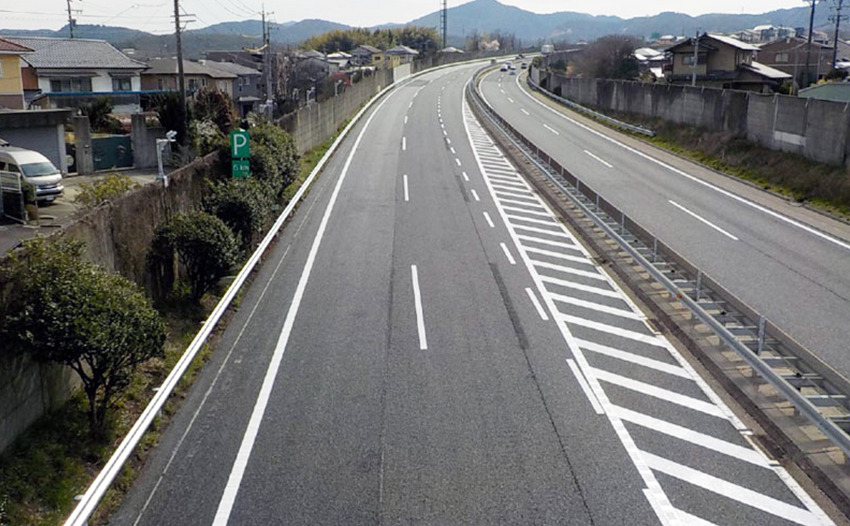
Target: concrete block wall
(819, 130)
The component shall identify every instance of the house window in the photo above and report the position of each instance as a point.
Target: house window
(688, 60)
(160, 84)
(193, 84)
(782, 58)
(1, 69)
(122, 84)
(70, 84)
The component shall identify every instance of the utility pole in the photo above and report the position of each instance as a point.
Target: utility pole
(696, 60)
(266, 90)
(181, 79)
(444, 23)
(837, 17)
(806, 77)
(71, 21)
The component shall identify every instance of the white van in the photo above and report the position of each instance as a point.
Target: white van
(36, 169)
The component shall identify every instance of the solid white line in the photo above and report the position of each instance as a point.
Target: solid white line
(406, 192)
(658, 392)
(465, 177)
(457, 161)
(404, 143)
(694, 437)
(706, 221)
(568, 270)
(523, 110)
(692, 520)
(588, 392)
(663, 367)
(732, 491)
(544, 241)
(231, 489)
(727, 193)
(537, 305)
(569, 300)
(420, 317)
(611, 329)
(508, 254)
(551, 129)
(475, 195)
(606, 163)
(489, 221)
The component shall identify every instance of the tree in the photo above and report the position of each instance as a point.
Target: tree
(99, 113)
(64, 310)
(172, 114)
(609, 57)
(214, 106)
(243, 205)
(205, 246)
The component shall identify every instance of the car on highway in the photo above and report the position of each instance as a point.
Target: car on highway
(35, 168)
(512, 71)
(504, 67)
(524, 65)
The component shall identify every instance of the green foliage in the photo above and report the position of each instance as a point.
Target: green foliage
(204, 245)
(98, 111)
(609, 57)
(422, 39)
(274, 157)
(836, 75)
(64, 310)
(206, 137)
(172, 114)
(28, 190)
(243, 205)
(214, 106)
(109, 188)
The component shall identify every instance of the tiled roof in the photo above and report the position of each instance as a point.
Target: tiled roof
(236, 69)
(168, 66)
(402, 50)
(7, 46)
(73, 53)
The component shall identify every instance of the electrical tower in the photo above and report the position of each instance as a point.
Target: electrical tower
(444, 23)
(837, 18)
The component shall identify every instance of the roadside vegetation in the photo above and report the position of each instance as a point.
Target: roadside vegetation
(59, 309)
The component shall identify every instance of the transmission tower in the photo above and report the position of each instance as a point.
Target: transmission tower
(444, 23)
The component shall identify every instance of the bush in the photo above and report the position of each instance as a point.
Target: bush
(836, 75)
(204, 245)
(172, 114)
(206, 136)
(274, 158)
(62, 309)
(98, 111)
(243, 205)
(216, 107)
(111, 187)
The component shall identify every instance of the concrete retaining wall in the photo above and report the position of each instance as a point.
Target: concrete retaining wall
(817, 129)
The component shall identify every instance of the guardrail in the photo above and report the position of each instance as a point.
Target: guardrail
(95, 492)
(762, 337)
(588, 111)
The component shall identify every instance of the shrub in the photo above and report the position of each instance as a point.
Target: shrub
(172, 114)
(111, 187)
(836, 75)
(206, 136)
(65, 310)
(274, 158)
(98, 111)
(243, 205)
(216, 107)
(204, 245)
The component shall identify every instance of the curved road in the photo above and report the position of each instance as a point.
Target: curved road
(790, 264)
(426, 344)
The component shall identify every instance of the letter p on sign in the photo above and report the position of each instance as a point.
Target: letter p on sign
(240, 146)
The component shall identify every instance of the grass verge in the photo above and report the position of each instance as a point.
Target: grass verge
(55, 460)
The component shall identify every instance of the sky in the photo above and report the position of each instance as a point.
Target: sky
(154, 15)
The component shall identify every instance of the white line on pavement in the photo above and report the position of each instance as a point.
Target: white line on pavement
(636, 359)
(465, 177)
(452, 148)
(448, 141)
(457, 161)
(406, 192)
(420, 317)
(404, 143)
(537, 305)
(523, 110)
(510, 99)
(234, 480)
(606, 163)
(508, 254)
(489, 221)
(475, 195)
(706, 221)
(585, 387)
(405, 119)
(551, 129)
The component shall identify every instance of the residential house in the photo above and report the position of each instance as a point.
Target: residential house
(367, 56)
(723, 62)
(66, 72)
(651, 61)
(315, 64)
(11, 83)
(789, 55)
(247, 89)
(400, 55)
(451, 50)
(162, 75)
(341, 59)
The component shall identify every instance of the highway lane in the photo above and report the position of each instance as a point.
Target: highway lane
(795, 277)
(430, 376)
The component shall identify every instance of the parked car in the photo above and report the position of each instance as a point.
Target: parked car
(36, 170)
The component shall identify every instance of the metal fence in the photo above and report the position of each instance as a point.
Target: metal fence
(12, 197)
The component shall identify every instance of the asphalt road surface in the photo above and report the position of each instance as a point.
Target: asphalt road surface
(790, 264)
(426, 344)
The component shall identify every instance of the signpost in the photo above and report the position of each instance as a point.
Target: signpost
(240, 151)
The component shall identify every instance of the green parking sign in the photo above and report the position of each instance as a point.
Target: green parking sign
(241, 168)
(240, 144)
